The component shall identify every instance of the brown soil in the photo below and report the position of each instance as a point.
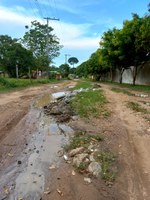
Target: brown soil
(126, 133)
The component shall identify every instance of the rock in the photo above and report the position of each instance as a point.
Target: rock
(91, 157)
(74, 118)
(65, 158)
(73, 173)
(79, 158)
(91, 147)
(52, 166)
(58, 95)
(73, 152)
(55, 111)
(87, 180)
(37, 151)
(95, 168)
(19, 162)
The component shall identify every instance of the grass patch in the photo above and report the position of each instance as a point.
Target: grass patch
(90, 104)
(142, 88)
(83, 84)
(106, 159)
(81, 139)
(120, 90)
(137, 107)
(10, 84)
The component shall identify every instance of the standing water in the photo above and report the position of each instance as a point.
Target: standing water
(40, 153)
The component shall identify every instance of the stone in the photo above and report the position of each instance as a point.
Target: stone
(19, 162)
(73, 152)
(87, 180)
(79, 159)
(91, 157)
(65, 158)
(95, 168)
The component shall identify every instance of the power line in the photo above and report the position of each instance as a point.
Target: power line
(49, 18)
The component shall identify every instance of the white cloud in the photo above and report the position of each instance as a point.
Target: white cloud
(82, 43)
(74, 37)
(8, 16)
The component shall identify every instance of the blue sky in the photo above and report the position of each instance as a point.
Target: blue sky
(81, 24)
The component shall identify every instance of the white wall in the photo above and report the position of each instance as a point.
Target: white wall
(143, 78)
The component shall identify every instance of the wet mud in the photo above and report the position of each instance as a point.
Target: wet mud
(25, 178)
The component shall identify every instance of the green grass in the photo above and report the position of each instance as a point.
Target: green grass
(82, 140)
(11, 84)
(142, 88)
(90, 104)
(83, 84)
(137, 107)
(106, 159)
(121, 90)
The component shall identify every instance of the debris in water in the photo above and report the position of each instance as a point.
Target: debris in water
(58, 95)
(6, 190)
(60, 192)
(60, 153)
(52, 167)
(47, 192)
(65, 158)
(19, 162)
(10, 154)
(37, 151)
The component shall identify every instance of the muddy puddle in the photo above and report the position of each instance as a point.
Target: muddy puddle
(25, 179)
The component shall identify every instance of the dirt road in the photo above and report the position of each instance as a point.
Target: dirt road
(28, 147)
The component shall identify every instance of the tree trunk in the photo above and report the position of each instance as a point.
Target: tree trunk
(134, 74)
(111, 75)
(121, 73)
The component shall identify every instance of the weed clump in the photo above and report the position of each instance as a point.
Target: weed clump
(137, 107)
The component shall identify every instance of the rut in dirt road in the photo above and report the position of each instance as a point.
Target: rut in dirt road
(134, 148)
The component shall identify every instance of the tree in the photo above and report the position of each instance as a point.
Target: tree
(64, 70)
(5, 43)
(134, 48)
(18, 55)
(73, 60)
(112, 52)
(11, 54)
(82, 69)
(44, 45)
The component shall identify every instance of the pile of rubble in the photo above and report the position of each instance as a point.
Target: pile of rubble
(59, 107)
(83, 160)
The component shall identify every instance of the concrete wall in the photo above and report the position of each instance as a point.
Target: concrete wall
(143, 78)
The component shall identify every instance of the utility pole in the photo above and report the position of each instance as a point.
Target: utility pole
(47, 20)
(66, 56)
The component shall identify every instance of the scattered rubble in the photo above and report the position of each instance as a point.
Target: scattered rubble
(79, 158)
(87, 180)
(95, 168)
(73, 152)
(60, 192)
(59, 106)
(141, 95)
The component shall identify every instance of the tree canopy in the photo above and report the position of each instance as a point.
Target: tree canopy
(12, 53)
(44, 45)
(73, 60)
(126, 48)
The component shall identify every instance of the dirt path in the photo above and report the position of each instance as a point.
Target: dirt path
(25, 137)
(134, 146)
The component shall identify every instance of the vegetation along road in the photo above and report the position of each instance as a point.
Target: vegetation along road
(86, 144)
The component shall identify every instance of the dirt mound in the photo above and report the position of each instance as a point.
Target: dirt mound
(60, 110)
